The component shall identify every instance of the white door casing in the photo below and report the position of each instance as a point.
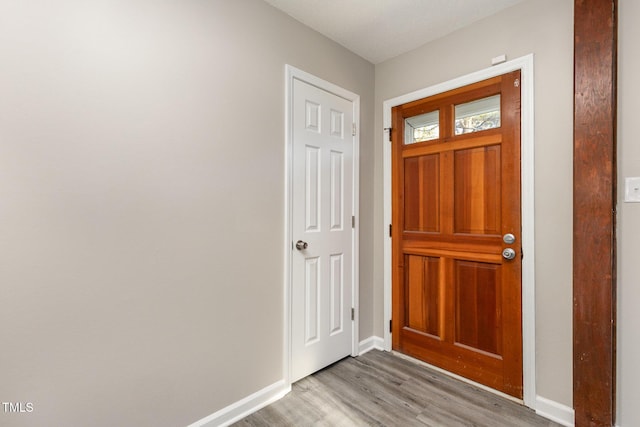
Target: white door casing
(322, 203)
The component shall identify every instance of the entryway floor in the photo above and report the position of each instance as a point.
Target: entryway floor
(382, 389)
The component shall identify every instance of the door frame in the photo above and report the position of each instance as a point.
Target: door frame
(525, 65)
(291, 74)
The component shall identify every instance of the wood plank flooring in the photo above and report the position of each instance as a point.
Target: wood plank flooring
(382, 389)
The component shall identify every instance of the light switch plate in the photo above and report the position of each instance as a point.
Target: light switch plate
(632, 190)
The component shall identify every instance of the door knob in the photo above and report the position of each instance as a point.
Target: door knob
(300, 245)
(508, 253)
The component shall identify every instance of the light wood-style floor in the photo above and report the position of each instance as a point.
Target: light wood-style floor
(382, 389)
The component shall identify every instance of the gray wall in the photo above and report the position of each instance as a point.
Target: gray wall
(141, 204)
(628, 216)
(544, 28)
(141, 201)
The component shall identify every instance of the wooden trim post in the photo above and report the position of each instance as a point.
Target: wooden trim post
(594, 204)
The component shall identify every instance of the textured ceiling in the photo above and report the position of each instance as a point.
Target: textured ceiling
(378, 30)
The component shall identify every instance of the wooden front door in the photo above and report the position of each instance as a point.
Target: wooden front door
(456, 206)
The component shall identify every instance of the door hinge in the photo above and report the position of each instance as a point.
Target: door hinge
(390, 325)
(353, 313)
(353, 221)
(353, 129)
(390, 230)
(389, 130)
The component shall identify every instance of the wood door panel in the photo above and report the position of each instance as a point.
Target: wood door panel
(422, 193)
(422, 290)
(478, 301)
(477, 177)
(456, 300)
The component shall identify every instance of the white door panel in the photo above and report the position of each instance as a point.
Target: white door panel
(322, 274)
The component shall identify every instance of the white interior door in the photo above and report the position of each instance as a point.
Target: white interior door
(322, 262)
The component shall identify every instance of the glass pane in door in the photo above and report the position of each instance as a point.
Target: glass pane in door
(478, 115)
(425, 127)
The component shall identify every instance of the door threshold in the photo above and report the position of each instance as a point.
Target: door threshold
(457, 377)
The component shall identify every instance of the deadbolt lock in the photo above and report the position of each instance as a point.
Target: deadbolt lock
(509, 238)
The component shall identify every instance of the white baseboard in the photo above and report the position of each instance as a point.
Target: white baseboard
(242, 408)
(555, 411)
(371, 343)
